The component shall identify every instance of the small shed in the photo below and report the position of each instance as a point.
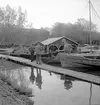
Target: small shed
(56, 43)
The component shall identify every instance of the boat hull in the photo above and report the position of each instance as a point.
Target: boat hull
(51, 61)
(77, 60)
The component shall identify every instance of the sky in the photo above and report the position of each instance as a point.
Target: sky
(44, 13)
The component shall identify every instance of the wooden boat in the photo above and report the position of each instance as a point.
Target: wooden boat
(6, 50)
(79, 60)
(51, 61)
(23, 52)
(90, 59)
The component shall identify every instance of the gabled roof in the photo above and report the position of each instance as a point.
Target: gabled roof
(54, 39)
(37, 43)
(50, 40)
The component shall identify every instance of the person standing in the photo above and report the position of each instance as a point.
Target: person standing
(67, 47)
(38, 50)
(78, 49)
(31, 50)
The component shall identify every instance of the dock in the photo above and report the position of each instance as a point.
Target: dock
(80, 75)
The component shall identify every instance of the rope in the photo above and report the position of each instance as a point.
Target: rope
(95, 11)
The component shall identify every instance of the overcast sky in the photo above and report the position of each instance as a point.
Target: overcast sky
(44, 13)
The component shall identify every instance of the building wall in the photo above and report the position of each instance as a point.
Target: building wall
(59, 43)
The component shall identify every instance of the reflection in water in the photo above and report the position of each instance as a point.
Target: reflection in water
(39, 78)
(32, 76)
(16, 76)
(50, 73)
(90, 94)
(67, 84)
(36, 78)
(67, 81)
(50, 88)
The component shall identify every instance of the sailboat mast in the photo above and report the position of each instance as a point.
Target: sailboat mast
(90, 41)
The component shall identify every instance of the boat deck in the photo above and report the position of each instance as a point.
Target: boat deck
(80, 75)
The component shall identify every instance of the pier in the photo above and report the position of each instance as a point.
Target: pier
(80, 75)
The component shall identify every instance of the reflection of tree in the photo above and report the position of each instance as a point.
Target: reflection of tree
(39, 79)
(32, 76)
(67, 81)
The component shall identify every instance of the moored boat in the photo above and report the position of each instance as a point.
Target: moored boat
(91, 58)
(79, 60)
(51, 61)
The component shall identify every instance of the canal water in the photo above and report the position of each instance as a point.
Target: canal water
(49, 88)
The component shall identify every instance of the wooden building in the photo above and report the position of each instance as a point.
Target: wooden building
(56, 43)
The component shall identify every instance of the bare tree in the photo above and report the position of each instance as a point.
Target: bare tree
(21, 18)
(9, 17)
(85, 25)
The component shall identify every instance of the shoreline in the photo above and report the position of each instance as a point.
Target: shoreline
(9, 96)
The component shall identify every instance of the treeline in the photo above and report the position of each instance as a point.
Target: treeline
(15, 29)
(79, 31)
(16, 36)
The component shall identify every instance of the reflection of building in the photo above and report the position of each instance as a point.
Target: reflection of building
(32, 76)
(39, 79)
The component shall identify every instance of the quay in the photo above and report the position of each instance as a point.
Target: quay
(80, 75)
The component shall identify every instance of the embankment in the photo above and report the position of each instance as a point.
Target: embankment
(8, 95)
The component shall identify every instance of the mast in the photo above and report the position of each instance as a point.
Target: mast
(90, 41)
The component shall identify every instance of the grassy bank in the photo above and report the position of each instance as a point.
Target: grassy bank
(10, 92)
(8, 95)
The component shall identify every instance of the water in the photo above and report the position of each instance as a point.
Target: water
(50, 88)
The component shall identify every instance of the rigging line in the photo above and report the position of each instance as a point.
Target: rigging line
(95, 11)
(85, 9)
